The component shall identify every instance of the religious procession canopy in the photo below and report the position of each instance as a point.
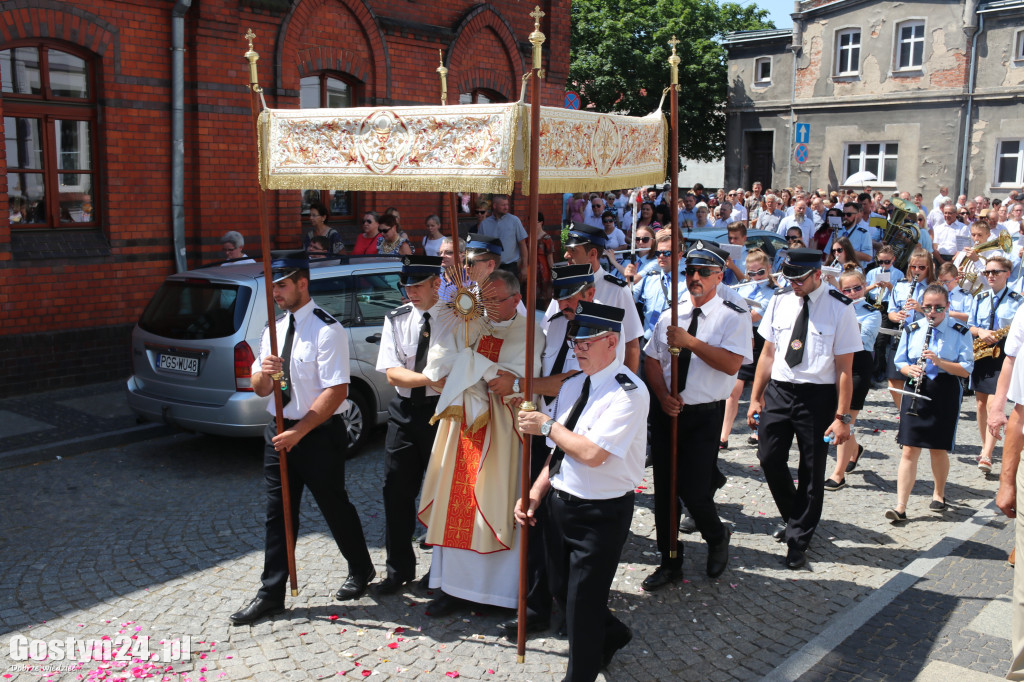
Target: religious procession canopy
(466, 148)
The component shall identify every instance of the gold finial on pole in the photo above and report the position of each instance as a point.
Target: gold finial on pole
(443, 71)
(537, 39)
(253, 56)
(674, 61)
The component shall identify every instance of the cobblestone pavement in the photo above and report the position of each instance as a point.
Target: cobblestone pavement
(164, 538)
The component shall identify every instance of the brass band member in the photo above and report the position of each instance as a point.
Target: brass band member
(905, 309)
(934, 351)
(992, 310)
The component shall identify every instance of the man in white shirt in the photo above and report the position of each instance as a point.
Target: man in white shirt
(950, 236)
(935, 215)
(940, 198)
(798, 219)
(739, 211)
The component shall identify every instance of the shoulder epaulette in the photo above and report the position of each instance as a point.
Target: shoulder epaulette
(401, 310)
(983, 295)
(324, 316)
(734, 306)
(624, 381)
(860, 228)
(915, 326)
(652, 271)
(838, 295)
(1015, 296)
(960, 327)
(783, 290)
(615, 280)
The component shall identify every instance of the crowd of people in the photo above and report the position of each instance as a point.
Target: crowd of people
(811, 327)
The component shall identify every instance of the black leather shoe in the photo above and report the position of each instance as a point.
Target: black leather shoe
(256, 609)
(663, 575)
(444, 605)
(795, 558)
(613, 644)
(534, 623)
(355, 586)
(688, 525)
(390, 585)
(720, 480)
(779, 534)
(718, 556)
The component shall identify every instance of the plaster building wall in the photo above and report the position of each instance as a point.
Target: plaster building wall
(923, 109)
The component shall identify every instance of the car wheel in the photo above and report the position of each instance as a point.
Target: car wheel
(356, 418)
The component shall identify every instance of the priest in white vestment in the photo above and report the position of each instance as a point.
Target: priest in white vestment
(472, 480)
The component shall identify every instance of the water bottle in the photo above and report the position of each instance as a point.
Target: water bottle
(757, 421)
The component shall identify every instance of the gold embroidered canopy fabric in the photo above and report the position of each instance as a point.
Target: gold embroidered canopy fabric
(468, 148)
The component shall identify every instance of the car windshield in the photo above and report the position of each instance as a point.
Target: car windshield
(196, 310)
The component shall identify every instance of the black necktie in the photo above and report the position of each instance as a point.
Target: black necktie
(795, 352)
(559, 365)
(570, 423)
(995, 307)
(685, 354)
(286, 357)
(420, 392)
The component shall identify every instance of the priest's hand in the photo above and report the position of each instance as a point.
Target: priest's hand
(501, 384)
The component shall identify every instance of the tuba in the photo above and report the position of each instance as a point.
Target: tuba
(902, 232)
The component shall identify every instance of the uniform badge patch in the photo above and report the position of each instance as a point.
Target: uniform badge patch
(796, 344)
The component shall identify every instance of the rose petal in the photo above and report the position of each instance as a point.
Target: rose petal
(367, 673)
(393, 645)
(452, 674)
(332, 617)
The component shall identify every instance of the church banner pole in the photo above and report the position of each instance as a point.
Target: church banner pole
(286, 500)
(537, 73)
(453, 204)
(673, 528)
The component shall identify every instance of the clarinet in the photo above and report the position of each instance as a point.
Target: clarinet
(921, 362)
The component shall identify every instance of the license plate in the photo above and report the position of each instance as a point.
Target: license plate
(178, 363)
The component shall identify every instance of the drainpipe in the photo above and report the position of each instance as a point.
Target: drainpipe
(795, 48)
(970, 26)
(178, 131)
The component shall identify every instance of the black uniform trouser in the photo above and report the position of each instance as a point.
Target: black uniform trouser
(804, 410)
(406, 454)
(699, 429)
(538, 595)
(584, 544)
(317, 463)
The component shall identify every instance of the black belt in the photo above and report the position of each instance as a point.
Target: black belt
(289, 423)
(789, 385)
(703, 407)
(567, 497)
(427, 401)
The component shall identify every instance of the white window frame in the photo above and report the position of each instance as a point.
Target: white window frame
(758, 80)
(840, 48)
(899, 43)
(881, 156)
(1019, 179)
(1018, 46)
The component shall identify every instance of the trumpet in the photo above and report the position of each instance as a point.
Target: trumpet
(921, 362)
(990, 350)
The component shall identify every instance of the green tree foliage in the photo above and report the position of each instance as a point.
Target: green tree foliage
(619, 61)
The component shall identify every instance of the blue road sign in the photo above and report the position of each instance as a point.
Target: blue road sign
(803, 133)
(572, 100)
(800, 153)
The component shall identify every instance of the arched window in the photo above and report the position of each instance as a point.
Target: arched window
(482, 96)
(333, 91)
(50, 133)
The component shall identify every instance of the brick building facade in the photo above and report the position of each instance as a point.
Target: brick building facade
(924, 93)
(87, 101)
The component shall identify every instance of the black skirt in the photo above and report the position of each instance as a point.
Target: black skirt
(934, 425)
(890, 361)
(863, 368)
(985, 376)
(746, 372)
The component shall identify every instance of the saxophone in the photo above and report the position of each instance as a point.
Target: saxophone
(990, 350)
(921, 362)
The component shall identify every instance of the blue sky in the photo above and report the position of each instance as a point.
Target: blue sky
(779, 11)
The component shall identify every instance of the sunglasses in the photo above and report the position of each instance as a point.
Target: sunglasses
(367, 220)
(849, 214)
(947, 282)
(993, 273)
(756, 273)
(608, 221)
(839, 250)
(387, 229)
(853, 290)
(643, 240)
(885, 262)
(481, 212)
(793, 239)
(933, 308)
(918, 267)
(666, 253)
(703, 271)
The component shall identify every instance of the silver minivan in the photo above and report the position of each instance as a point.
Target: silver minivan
(194, 345)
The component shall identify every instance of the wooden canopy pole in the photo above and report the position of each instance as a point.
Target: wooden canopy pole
(536, 74)
(453, 204)
(286, 498)
(673, 528)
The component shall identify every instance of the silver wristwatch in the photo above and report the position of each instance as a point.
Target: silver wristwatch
(844, 418)
(545, 428)
(515, 385)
